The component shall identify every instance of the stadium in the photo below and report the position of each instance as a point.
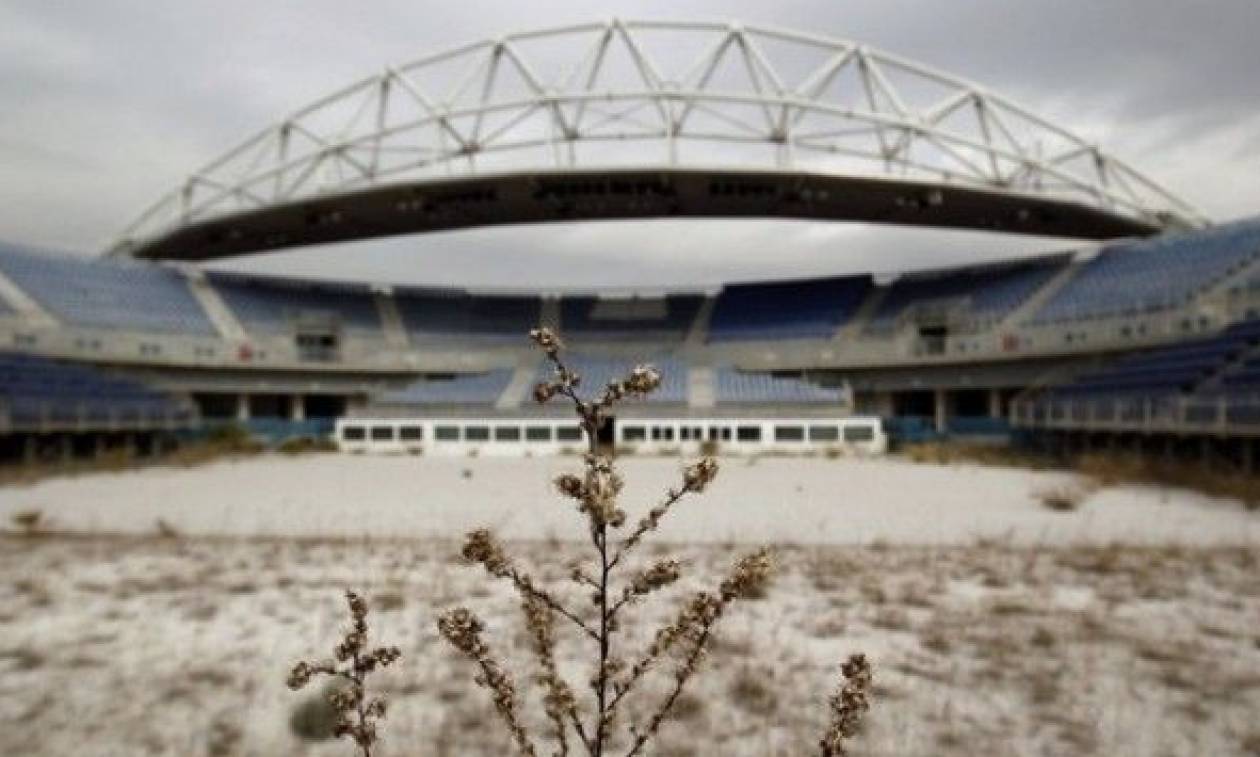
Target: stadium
(1135, 331)
(1142, 332)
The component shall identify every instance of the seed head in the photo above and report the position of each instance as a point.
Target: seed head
(547, 340)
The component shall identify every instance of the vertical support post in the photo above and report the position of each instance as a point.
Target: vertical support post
(941, 399)
(995, 403)
(242, 407)
(297, 407)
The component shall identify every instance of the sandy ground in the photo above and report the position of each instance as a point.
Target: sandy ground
(781, 500)
(144, 646)
(996, 626)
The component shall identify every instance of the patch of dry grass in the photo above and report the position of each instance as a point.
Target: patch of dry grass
(998, 455)
(1111, 468)
(1064, 498)
(222, 443)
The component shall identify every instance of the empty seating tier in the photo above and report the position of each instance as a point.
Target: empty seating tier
(1154, 274)
(35, 390)
(739, 387)
(807, 309)
(1178, 369)
(598, 371)
(984, 294)
(108, 294)
(445, 314)
(277, 305)
(660, 318)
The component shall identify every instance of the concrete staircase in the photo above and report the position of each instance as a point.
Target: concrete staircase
(701, 386)
(699, 330)
(519, 387)
(857, 324)
(1213, 380)
(224, 320)
(30, 310)
(391, 320)
(1029, 308)
(550, 315)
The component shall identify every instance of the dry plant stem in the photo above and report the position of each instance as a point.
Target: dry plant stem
(590, 417)
(596, 492)
(463, 630)
(558, 701)
(356, 664)
(590, 421)
(680, 681)
(848, 706)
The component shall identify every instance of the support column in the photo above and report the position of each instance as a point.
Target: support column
(242, 407)
(297, 407)
(995, 403)
(940, 402)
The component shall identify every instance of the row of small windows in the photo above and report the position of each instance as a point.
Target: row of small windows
(793, 433)
(454, 433)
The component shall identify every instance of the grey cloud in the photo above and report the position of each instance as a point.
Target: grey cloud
(105, 104)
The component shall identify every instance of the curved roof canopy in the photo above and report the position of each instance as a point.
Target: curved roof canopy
(622, 119)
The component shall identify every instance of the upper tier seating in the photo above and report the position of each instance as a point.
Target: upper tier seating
(989, 293)
(473, 389)
(597, 371)
(1159, 273)
(445, 314)
(113, 294)
(737, 387)
(34, 389)
(658, 318)
(807, 309)
(273, 305)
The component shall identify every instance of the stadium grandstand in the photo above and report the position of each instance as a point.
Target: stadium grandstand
(1147, 327)
(1154, 337)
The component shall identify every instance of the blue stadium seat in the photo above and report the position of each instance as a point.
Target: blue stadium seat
(108, 294)
(740, 387)
(1155, 274)
(661, 318)
(597, 371)
(989, 292)
(1174, 370)
(807, 309)
(454, 313)
(35, 389)
(273, 305)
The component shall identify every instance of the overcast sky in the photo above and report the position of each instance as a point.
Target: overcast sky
(107, 104)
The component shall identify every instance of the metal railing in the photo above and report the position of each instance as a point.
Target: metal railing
(49, 417)
(1169, 414)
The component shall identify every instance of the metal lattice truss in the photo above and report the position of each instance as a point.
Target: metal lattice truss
(641, 93)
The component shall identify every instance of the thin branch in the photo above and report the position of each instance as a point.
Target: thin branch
(685, 673)
(525, 585)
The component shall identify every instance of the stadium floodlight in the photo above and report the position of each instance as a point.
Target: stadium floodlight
(610, 96)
